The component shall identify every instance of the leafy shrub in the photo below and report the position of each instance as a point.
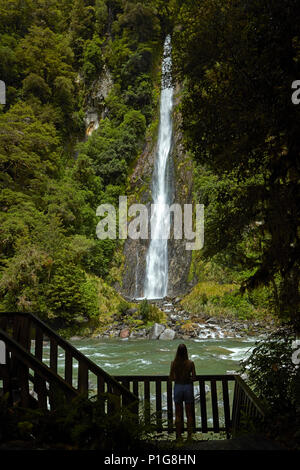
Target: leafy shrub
(215, 298)
(92, 59)
(78, 424)
(238, 304)
(272, 373)
(97, 259)
(150, 312)
(68, 293)
(139, 20)
(123, 306)
(111, 148)
(138, 63)
(89, 297)
(36, 85)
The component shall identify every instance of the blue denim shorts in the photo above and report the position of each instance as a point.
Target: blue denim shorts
(183, 392)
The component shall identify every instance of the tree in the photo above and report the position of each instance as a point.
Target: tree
(81, 26)
(46, 54)
(15, 16)
(29, 150)
(139, 21)
(92, 59)
(238, 60)
(35, 85)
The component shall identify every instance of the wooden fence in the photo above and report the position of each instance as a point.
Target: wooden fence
(223, 403)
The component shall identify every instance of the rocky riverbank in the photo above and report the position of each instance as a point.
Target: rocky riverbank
(180, 324)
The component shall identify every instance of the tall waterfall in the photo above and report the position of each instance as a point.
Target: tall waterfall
(156, 279)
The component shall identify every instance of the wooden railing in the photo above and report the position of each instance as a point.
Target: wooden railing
(246, 407)
(22, 369)
(213, 399)
(30, 333)
(220, 401)
(223, 403)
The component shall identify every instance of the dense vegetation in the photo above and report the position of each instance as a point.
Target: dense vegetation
(52, 55)
(273, 375)
(237, 60)
(80, 424)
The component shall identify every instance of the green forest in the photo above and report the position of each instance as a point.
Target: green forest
(52, 178)
(234, 63)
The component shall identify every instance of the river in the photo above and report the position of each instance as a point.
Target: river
(138, 357)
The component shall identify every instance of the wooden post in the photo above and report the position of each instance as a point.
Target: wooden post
(39, 343)
(53, 354)
(83, 382)
(41, 391)
(170, 406)
(68, 367)
(236, 408)
(158, 399)
(147, 400)
(226, 407)
(203, 406)
(214, 399)
(100, 391)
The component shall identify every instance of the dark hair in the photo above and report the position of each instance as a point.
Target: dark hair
(181, 353)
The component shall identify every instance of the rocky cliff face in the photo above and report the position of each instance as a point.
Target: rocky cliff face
(135, 251)
(95, 105)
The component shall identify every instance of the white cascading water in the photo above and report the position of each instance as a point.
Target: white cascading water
(156, 279)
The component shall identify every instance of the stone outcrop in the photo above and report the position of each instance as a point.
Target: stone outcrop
(125, 333)
(95, 104)
(167, 334)
(156, 331)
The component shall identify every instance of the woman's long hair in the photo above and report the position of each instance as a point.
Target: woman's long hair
(181, 354)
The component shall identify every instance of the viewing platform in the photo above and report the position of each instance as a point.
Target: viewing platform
(224, 404)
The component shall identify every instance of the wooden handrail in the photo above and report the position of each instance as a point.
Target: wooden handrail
(71, 352)
(217, 404)
(250, 394)
(41, 371)
(246, 406)
(209, 413)
(220, 377)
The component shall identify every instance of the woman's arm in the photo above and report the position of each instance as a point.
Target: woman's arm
(193, 372)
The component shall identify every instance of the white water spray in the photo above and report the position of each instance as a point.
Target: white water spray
(156, 280)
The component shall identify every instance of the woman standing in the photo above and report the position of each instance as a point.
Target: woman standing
(183, 373)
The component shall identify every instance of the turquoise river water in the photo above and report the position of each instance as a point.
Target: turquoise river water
(138, 357)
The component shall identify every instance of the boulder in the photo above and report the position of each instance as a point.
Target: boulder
(131, 311)
(125, 333)
(156, 330)
(167, 334)
(138, 334)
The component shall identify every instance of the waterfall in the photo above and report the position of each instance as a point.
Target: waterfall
(156, 279)
(136, 273)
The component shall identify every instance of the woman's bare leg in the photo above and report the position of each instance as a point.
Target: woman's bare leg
(190, 415)
(178, 419)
